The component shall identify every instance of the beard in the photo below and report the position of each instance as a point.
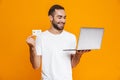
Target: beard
(56, 26)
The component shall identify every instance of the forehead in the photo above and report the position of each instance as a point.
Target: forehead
(59, 12)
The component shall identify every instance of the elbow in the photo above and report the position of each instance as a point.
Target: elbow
(73, 65)
(35, 64)
(36, 67)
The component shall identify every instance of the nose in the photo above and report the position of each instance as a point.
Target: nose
(63, 20)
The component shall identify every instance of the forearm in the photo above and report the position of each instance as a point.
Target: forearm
(75, 59)
(34, 59)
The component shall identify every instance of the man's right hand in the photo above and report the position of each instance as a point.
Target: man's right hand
(31, 40)
(34, 59)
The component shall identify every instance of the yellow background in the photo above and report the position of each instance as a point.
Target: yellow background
(19, 17)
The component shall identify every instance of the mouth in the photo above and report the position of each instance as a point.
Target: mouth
(61, 24)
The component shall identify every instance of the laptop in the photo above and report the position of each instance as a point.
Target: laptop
(89, 39)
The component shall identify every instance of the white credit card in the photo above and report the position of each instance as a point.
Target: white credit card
(36, 32)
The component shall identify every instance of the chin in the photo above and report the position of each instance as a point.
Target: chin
(61, 28)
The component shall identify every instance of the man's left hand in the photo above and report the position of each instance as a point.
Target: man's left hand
(80, 52)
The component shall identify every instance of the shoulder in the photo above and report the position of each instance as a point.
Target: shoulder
(44, 33)
(69, 34)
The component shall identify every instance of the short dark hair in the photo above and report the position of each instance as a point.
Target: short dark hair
(52, 9)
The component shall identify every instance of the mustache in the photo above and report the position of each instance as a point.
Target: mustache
(61, 22)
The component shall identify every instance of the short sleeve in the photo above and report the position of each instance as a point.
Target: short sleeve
(39, 45)
(73, 44)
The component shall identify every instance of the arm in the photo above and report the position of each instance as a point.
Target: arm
(34, 58)
(75, 59)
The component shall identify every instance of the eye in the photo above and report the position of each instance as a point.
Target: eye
(65, 17)
(59, 17)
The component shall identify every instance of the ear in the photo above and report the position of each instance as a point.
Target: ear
(51, 17)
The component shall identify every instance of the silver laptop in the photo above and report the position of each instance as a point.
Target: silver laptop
(89, 38)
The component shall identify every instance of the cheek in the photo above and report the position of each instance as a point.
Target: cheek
(56, 21)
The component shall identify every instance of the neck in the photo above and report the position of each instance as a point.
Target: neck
(54, 31)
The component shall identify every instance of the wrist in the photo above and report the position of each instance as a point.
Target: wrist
(78, 54)
(32, 45)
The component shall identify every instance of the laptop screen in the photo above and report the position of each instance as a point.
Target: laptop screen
(90, 38)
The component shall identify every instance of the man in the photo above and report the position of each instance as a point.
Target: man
(49, 47)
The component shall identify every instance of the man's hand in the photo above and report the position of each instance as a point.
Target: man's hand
(80, 52)
(34, 59)
(31, 40)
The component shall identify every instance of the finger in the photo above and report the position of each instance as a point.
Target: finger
(29, 38)
(79, 51)
(84, 51)
(33, 36)
(88, 50)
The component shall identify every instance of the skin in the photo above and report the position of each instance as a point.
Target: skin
(57, 20)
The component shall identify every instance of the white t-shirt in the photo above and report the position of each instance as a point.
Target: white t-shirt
(56, 63)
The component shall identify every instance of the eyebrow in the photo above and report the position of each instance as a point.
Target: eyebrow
(61, 16)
